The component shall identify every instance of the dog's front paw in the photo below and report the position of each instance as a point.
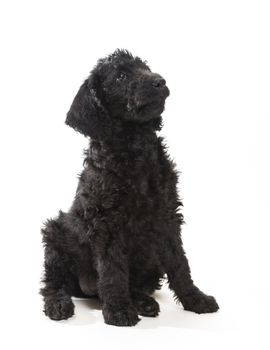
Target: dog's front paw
(199, 302)
(120, 316)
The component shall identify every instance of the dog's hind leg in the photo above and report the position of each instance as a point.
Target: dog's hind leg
(58, 280)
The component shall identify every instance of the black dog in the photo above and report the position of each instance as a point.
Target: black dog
(122, 232)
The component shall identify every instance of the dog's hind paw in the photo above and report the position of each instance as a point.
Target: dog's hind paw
(146, 305)
(126, 316)
(59, 308)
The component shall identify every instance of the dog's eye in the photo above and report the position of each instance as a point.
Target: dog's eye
(122, 76)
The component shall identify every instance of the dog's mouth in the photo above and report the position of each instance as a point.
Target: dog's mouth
(152, 108)
(146, 110)
(148, 107)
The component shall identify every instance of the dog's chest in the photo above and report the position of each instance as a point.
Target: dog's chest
(132, 177)
(144, 187)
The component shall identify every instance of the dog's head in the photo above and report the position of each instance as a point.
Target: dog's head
(120, 88)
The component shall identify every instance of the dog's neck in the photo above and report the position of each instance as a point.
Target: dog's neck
(139, 144)
(126, 133)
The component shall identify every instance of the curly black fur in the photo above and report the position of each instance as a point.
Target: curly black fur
(122, 232)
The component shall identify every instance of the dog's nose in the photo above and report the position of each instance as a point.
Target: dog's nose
(159, 82)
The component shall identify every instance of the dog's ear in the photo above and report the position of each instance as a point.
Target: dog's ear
(86, 114)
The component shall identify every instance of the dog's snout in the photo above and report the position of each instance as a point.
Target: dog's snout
(159, 82)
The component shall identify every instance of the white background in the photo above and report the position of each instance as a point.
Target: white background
(215, 56)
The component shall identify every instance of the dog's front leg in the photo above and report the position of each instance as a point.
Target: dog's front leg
(113, 285)
(180, 281)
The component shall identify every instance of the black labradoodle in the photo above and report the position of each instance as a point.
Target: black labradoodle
(122, 232)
